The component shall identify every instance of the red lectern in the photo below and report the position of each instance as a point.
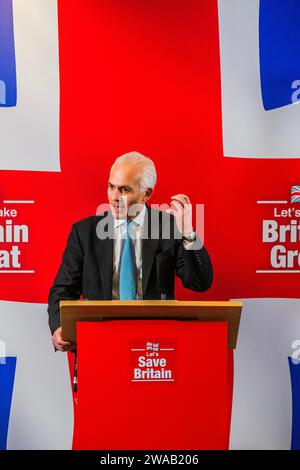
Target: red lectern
(152, 374)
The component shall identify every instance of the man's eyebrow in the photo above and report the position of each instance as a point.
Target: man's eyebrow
(120, 187)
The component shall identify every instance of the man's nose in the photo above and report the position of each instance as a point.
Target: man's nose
(116, 195)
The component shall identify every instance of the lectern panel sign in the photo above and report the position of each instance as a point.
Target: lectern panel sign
(152, 361)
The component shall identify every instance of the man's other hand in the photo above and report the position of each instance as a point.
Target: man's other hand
(181, 208)
(59, 343)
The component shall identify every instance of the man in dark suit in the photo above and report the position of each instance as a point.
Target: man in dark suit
(132, 251)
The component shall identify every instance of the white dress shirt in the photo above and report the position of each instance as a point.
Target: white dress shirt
(136, 232)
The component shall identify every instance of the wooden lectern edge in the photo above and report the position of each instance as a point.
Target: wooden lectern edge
(69, 313)
(221, 303)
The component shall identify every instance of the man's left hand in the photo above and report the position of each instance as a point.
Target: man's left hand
(181, 208)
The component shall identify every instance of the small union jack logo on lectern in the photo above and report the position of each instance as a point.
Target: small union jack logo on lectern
(295, 194)
(152, 346)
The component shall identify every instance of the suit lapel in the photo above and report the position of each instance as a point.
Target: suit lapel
(104, 248)
(104, 251)
(149, 244)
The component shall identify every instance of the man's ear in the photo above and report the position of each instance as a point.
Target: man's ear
(148, 193)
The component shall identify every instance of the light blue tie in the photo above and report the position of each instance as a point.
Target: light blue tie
(127, 281)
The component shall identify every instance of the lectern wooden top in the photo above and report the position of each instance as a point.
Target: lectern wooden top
(72, 311)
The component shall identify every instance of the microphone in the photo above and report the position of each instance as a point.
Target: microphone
(163, 274)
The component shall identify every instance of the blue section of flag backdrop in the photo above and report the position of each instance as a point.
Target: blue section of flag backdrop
(7, 377)
(8, 81)
(279, 39)
(295, 385)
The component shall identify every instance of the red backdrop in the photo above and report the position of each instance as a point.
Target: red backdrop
(145, 76)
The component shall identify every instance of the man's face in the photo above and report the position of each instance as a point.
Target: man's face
(124, 190)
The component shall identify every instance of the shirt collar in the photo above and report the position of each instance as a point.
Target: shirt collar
(139, 219)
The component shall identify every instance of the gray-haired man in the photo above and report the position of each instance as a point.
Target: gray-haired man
(131, 251)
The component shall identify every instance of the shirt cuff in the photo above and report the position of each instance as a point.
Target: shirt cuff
(188, 244)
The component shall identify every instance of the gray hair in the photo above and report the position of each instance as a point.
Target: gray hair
(148, 172)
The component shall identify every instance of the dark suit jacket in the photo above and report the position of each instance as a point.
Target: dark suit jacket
(87, 264)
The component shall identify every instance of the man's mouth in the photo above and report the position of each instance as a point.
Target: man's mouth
(119, 207)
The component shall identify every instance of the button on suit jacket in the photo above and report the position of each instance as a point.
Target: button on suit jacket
(86, 269)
